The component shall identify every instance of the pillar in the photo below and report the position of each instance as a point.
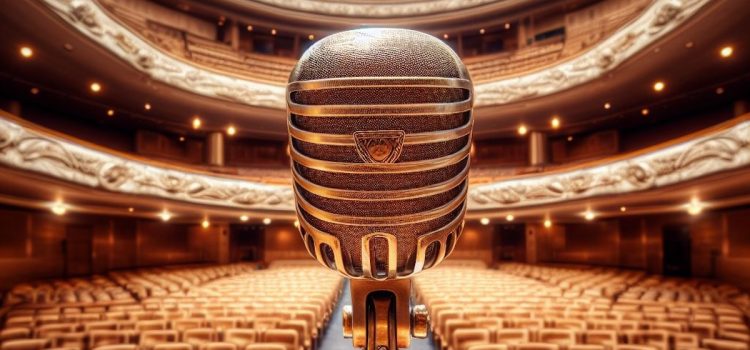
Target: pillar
(537, 148)
(234, 35)
(215, 148)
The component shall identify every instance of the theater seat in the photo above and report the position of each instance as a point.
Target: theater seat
(489, 347)
(25, 344)
(241, 337)
(464, 338)
(153, 337)
(172, 346)
(219, 346)
(117, 347)
(720, 344)
(265, 346)
(537, 346)
(14, 333)
(286, 337)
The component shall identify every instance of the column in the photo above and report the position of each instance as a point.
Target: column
(537, 148)
(234, 35)
(215, 148)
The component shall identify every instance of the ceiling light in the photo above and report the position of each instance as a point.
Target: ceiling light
(267, 221)
(623, 209)
(131, 209)
(555, 123)
(547, 223)
(645, 111)
(607, 105)
(689, 44)
(147, 106)
(311, 37)
(231, 130)
(719, 90)
(481, 31)
(197, 123)
(507, 25)
(484, 221)
(570, 138)
(249, 28)
(244, 218)
(95, 87)
(509, 217)
(445, 36)
(726, 51)
(522, 130)
(659, 86)
(205, 223)
(58, 208)
(695, 206)
(589, 215)
(34, 91)
(296, 223)
(182, 138)
(110, 112)
(26, 52)
(165, 215)
(273, 31)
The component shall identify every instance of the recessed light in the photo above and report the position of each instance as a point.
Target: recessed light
(182, 138)
(607, 105)
(689, 44)
(231, 130)
(244, 218)
(719, 90)
(510, 217)
(95, 87)
(645, 111)
(726, 51)
(555, 122)
(522, 130)
(311, 37)
(623, 209)
(26, 52)
(484, 221)
(131, 209)
(147, 106)
(110, 112)
(197, 123)
(695, 206)
(481, 31)
(267, 221)
(249, 28)
(273, 32)
(445, 36)
(570, 138)
(34, 91)
(165, 215)
(507, 25)
(296, 223)
(205, 223)
(589, 215)
(59, 208)
(659, 86)
(547, 223)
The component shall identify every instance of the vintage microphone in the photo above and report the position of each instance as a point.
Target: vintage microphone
(380, 131)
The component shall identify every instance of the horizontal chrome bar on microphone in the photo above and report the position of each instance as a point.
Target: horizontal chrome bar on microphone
(409, 139)
(375, 196)
(395, 220)
(379, 109)
(380, 168)
(379, 82)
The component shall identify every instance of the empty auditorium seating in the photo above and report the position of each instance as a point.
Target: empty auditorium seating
(532, 307)
(228, 307)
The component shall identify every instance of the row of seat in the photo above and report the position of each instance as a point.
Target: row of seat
(519, 306)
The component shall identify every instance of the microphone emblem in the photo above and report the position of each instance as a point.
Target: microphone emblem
(383, 146)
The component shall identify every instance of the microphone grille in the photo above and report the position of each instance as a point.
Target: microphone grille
(380, 131)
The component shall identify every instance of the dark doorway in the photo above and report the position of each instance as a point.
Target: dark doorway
(509, 242)
(246, 242)
(677, 250)
(77, 248)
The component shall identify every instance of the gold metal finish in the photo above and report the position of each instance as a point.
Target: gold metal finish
(380, 127)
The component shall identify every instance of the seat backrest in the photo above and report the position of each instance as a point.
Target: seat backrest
(600, 337)
(199, 336)
(489, 347)
(240, 337)
(265, 346)
(512, 336)
(464, 337)
(153, 337)
(14, 333)
(100, 338)
(537, 346)
(721, 344)
(288, 337)
(172, 346)
(220, 346)
(557, 336)
(150, 325)
(25, 344)
(117, 347)
(586, 347)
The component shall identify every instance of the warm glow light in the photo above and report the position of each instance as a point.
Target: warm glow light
(182, 138)
(659, 86)
(484, 221)
(719, 90)
(695, 206)
(231, 130)
(267, 221)
(147, 106)
(570, 138)
(589, 215)
(296, 223)
(481, 31)
(547, 223)
(311, 37)
(95, 87)
(522, 130)
(645, 111)
(510, 217)
(34, 91)
(607, 105)
(726, 51)
(26, 52)
(59, 208)
(131, 209)
(165, 215)
(623, 209)
(244, 218)
(273, 31)
(507, 25)
(249, 28)
(110, 112)
(197, 123)
(555, 122)
(445, 36)
(205, 223)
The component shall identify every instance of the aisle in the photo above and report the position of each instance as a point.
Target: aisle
(334, 340)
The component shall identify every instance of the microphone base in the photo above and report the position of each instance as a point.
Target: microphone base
(380, 317)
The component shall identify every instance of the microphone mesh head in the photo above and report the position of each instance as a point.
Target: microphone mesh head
(380, 131)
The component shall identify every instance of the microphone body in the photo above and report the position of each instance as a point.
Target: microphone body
(380, 127)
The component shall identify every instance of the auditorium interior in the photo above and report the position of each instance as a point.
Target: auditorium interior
(231, 174)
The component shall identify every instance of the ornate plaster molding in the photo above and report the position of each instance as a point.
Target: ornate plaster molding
(659, 19)
(90, 19)
(710, 154)
(40, 152)
(404, 8)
